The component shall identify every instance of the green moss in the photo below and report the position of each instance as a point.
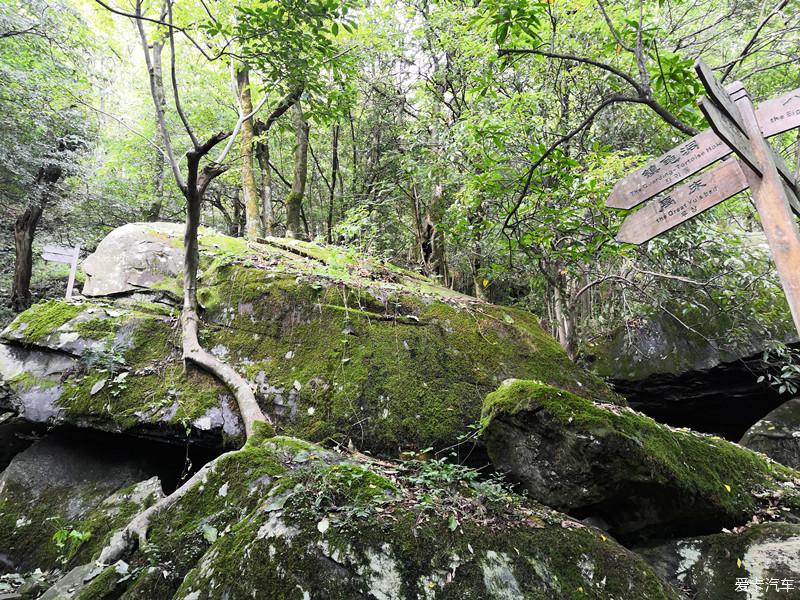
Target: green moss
(28, 524)
(172, 394)
(699, 465)
(28, 381)
(404, 552)
(45, 318)
(97, 328)
(101, 586)
(390, 374)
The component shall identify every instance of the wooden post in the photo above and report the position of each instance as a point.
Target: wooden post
(72, 270)
(772, 203)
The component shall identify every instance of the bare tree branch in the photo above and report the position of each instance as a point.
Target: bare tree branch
(748, 46)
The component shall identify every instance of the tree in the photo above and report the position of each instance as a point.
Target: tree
(200, 172)
(43, 128)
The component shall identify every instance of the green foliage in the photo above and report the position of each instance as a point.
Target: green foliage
(68, 540)
(783, 368)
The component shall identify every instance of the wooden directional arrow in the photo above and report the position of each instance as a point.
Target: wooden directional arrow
(779, 114)
(737, 127)
(684, 202)
(720, 95)
(774, 116)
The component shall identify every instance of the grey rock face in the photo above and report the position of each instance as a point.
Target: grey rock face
(778, 434)
(759, 562)
(134, 256)
(57, 484)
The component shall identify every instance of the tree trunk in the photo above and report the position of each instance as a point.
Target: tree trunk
(564, 313)
(432, 246)
(334, 175)
(194, 190)
(154, 212)
(476, 263)
(249, 194)
(267, 210)
(24, 229)
(262, 153)
(294, 201)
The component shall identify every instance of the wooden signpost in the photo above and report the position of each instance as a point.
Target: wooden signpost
(64, 255)
(738, 128)
(774, 116)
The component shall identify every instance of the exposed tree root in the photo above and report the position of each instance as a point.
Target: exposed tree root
(238, 385)
(124, 542)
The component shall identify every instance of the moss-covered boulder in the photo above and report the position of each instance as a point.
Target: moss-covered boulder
(60, 498)
(662, 345)
(635, 475)
(113, 366)
(336, 345)
(284, 519)
(758, 562)
(777, 434)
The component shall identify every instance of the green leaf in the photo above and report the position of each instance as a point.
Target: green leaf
(210, 533)
(452, 523)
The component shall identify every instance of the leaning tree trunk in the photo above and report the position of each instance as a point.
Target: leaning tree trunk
(249, 194)
(24, 229)
(196, 184)
(294, 202)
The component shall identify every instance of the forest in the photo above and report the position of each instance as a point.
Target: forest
(355, 314)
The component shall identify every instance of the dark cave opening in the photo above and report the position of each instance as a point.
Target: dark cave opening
(725, 400)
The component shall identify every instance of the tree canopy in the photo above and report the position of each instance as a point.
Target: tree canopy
(475, 142)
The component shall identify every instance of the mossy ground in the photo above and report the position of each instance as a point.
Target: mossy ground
(734, 478)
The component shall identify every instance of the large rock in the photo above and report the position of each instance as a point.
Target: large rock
(285, 519)
(127, 260)
(633, 474)
(68, 482)
(778, 434)
(336, 346)
(702, 372)
(112, 367)
(759, 562)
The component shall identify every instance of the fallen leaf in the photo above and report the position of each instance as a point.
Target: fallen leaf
(99, 385)
(323, 525)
